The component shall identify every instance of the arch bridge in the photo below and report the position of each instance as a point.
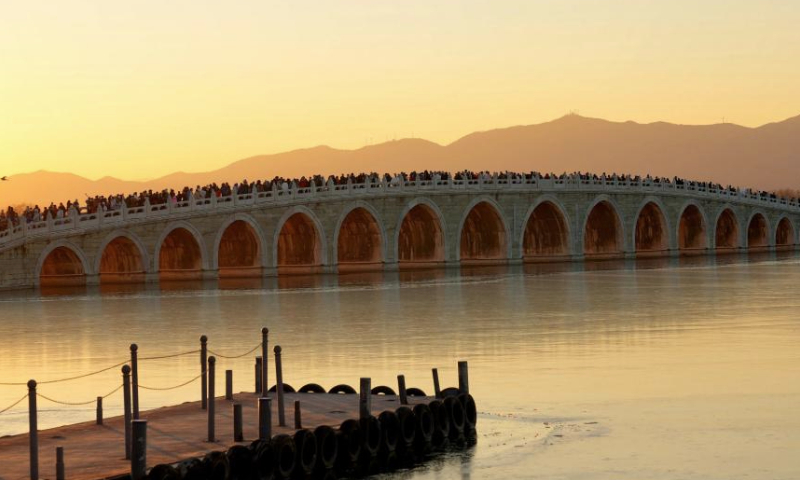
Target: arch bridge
(389, 225)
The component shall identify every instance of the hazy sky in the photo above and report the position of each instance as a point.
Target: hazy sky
(144, 88)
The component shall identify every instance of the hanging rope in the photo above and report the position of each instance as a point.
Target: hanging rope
(170, 356)
(78, 404)
(69, 378)
(13, 404)
(236, 356)
(162, 389)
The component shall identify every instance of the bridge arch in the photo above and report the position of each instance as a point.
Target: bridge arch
(180, 250)
(785, 233)
(603, 231)
(478, 243)
(758, 231)
(360, 236)
(692, 228)
(652, 232)
(239, 246)
(726, 229)
(299, 240)
(545, 230)
(62, 263)
(121, 254)
(421, 235)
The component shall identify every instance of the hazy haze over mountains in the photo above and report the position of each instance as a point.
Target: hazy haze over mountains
(767, 157)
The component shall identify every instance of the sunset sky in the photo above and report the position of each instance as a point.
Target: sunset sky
(141, 89)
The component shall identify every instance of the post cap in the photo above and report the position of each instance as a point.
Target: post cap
(265, 330)
(203, 338)
(278, 349)
(31, 383)
(212, 359)
(134, 347)
(126, 369)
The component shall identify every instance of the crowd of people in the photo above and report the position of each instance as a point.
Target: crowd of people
(11, 217)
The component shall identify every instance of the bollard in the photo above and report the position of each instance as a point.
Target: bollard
(264, 418)
(60, 475)
(211, 423)
(203, 379)
(238, 436)
(99, 410)
(401, 388)
(298, 420)
(33, 435)
(279, 386)
(258, 375)
(228, 384)
(463, 377)
(365, 398)
(139, 447)
(126, 403)
(437, 392)
(135, 380)
(265, 362)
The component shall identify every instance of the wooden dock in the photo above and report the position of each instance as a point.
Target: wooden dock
(175, 433)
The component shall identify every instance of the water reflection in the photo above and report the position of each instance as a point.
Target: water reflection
(606, 369)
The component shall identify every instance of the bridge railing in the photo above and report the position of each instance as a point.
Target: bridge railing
(287, 193)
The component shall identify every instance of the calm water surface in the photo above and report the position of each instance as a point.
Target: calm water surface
(673, 370)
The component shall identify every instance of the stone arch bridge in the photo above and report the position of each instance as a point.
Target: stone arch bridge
(379, 225)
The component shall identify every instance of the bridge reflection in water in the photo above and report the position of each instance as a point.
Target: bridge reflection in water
(381, 227)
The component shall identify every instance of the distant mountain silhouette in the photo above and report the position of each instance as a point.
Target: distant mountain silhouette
(767, 157)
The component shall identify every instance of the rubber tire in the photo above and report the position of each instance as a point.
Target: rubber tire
(415, 392)
(383, 390)
(371, 436)
(240, 461)
(286, 388)
(285, 454)
(441, 432)
(263, 460)
(306, 444)
(164, 472)
(470, 411)
(426, 426)
(339, 389)
(311, 388)
(327, 447)
(457, 417)
(449, 392)
(390, 431)
(408, 426)
(349, 436)
(215, 466)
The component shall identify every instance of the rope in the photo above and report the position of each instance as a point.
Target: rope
(78, 404)
(170, 356)
(13, 404)
(161, 389)
(236, 356)
(68, 378)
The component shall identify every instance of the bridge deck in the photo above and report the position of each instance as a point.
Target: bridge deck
(173, 433)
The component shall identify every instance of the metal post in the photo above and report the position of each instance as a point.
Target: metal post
(60, 475)
(259, 366)
(264, 418)
(211, 423)
(135, 380)
(203, 379)
(365, 398)
(279, 386)
(33, 435)
(437, 392)
(463, 377)
(126, 402)
(265, 361)
(401, 387)
(228, 384)
(139, 454)
(99, 410)
(298, 420)
(238, 436)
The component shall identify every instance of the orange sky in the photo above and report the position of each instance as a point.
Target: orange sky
(141, 89)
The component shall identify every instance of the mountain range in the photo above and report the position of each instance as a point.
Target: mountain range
(765, 157)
